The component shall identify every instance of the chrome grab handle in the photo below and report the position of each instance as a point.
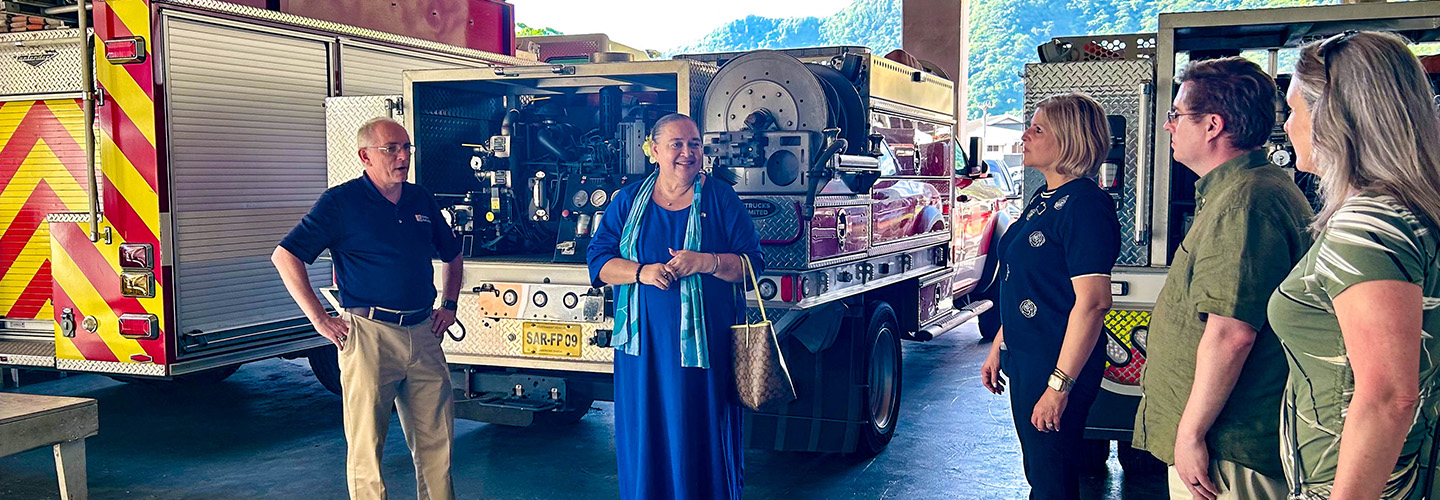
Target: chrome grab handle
(1142, 174)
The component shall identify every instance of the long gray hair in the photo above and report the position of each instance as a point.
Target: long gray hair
(1373, 122)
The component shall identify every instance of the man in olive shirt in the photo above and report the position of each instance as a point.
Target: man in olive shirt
(1214, 370)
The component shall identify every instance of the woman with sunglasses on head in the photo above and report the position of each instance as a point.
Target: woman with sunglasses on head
(1357, 314)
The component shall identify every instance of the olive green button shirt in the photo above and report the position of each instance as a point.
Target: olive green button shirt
(1248, 232)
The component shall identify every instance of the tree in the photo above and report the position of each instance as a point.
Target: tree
(522, 30)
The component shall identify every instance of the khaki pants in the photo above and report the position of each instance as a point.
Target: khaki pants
(385, 365)
(1234, 481)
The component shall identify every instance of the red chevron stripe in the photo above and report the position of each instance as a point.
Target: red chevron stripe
(91, 346)
(32, 300)
(131, 142)
(126, 220)
(41, 123)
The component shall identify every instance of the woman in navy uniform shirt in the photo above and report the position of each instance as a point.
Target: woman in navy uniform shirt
(1055, 263)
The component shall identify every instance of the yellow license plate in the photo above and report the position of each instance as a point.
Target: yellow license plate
(550, 339)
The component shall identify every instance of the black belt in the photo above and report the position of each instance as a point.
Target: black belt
(401, 318)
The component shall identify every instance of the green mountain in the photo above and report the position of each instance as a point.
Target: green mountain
(1003, 33)
(872, 23)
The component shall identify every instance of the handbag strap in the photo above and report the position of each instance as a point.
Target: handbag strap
(750, 271)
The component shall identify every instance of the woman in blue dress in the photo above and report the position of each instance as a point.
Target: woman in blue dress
(671, 246)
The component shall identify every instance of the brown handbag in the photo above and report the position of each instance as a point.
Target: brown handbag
(761, 378)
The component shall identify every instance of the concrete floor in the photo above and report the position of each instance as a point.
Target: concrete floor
(271, 431)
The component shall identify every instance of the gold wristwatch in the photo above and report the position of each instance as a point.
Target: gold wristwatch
(1060, 381)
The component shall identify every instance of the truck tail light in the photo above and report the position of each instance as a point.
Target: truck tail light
(137, 284)
(125, 50)
(139, 326)
(787, 289)
(138, 255)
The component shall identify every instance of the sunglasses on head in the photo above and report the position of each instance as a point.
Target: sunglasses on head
(1332, 45)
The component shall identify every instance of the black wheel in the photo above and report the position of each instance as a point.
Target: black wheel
(325, 363)
(197, 379)
(1139, 462)
(1095, 453)
(881, 352)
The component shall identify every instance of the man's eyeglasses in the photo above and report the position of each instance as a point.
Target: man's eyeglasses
(1173, 114)
(394, 149)
(1332, 45)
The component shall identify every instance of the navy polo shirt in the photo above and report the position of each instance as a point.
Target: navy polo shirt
(382, 250)
(1067, 232)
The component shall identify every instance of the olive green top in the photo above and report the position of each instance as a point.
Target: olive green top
(1370, 238)
(1248, 232)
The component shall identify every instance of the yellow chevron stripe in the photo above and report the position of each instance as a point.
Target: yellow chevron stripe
(11, 114)
(121, 174)
(135, 14)
(89, 301)
(121, 90)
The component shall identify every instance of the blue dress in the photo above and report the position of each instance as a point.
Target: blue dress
(678, 430)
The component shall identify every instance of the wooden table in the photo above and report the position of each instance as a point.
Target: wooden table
(30, 421)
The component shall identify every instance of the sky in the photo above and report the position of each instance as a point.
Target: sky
(658, 24)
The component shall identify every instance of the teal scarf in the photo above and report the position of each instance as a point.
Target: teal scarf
(693, 351)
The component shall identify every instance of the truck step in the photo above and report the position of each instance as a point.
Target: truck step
(963, 314)
(516, 412)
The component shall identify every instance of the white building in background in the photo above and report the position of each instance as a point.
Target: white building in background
(1001, 136)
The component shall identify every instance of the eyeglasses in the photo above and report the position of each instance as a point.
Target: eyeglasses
(394, 149)
(1332, 45)
(1174, 114)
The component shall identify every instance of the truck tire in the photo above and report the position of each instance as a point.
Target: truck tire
(881, 361)
(189, 380)
(1138, 462)
(325, 363)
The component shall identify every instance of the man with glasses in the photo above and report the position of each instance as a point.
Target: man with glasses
(382, 233)
(1214, 370)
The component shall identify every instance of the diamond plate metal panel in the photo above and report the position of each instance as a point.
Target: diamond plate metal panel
(1119, 87)
(40, 62)
(27, 347)
(343, 118)
(701, 74)
(502, 337)
(83, 365)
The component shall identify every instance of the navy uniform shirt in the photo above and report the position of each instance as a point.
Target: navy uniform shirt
(382, 250)
(1067, 232)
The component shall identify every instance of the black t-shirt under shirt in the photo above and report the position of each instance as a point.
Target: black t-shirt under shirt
(1065, 233)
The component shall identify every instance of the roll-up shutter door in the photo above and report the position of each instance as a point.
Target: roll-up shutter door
(247, 160)
(365, 71)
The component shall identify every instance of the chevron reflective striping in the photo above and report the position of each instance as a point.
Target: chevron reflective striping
(94, 286)
(39, 164)
(83, 345)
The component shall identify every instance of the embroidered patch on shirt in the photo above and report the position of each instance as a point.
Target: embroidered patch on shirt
(1037, 238)
(421, 218)
(1060, 204)
(1027, 308)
